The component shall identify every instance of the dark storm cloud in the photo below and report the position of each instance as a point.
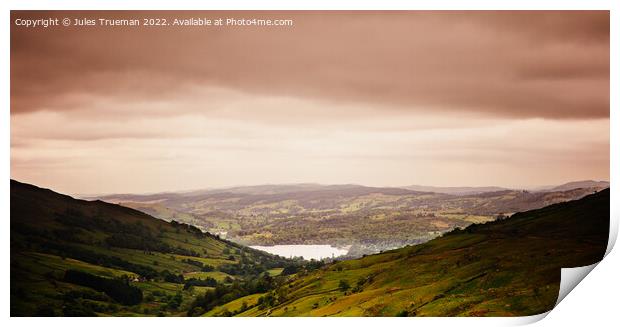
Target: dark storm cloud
(506, 64)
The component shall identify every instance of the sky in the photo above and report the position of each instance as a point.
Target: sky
(512, 99)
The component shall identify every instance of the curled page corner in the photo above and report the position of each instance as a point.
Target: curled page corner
(527, 320)
(570, 278)
(613, 226)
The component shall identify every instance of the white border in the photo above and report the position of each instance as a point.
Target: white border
(593, 302)
(312, 5)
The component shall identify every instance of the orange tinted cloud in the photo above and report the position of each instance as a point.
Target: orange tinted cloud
(518, 64)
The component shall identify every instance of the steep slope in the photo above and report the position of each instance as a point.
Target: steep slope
(76, 257)
(508, 267)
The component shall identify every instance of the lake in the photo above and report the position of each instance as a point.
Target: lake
(316, 252)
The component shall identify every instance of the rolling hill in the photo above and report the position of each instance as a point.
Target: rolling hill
(80, 258)
(581, 184)
(508, 267)
(453, 190)
(76, 257)
(370, 219)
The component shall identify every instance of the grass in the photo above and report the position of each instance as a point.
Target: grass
(236, 305)
(502, 268)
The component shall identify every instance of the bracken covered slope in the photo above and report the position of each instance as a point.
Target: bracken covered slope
(83, 258)
(503, 268)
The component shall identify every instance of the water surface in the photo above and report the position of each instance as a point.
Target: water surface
(315, 251)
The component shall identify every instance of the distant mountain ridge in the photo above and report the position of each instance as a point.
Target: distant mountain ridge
(271, 189)
(454, 190)
(370, 219)
(265, 190)
(581, 184)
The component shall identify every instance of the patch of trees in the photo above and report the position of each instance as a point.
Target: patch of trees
(146, 242)
(313, 265)
(403, 313)
(343, 285)
(175, 301)
(212, 298)
(226, 293)
(289, 270)
(136, 235)
(242, 269)
(172, 278)
(137, 242)
(209, 282)
(483, 228)
(274, 298)
(267, 301)
(119, 290)
(189, 228)
(196, 263)
(359, 286)
(99, 259)
(199, 264)
(260, 265)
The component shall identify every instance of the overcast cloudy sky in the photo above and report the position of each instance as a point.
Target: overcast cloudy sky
(374, 98)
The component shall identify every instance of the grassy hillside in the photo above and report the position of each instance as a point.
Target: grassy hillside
(509, 267)
(75, 257)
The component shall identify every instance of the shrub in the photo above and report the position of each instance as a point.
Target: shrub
(403, 313)
(343, 285)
